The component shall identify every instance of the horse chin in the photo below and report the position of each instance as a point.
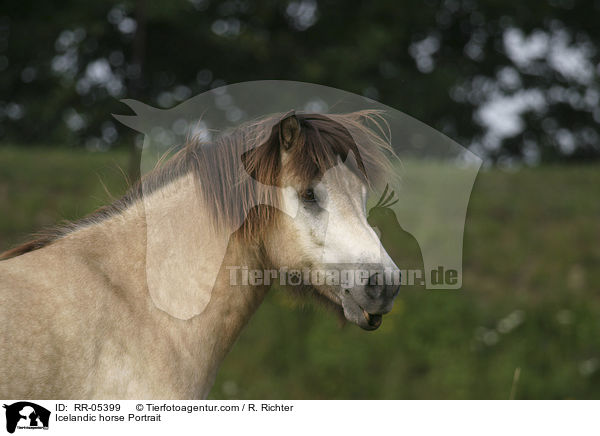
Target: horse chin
(348, 309)
(359, 316)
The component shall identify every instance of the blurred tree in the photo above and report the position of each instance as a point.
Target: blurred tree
(514, 81)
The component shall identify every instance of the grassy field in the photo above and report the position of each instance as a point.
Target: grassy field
(530, 297)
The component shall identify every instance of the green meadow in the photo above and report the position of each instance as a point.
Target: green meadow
(526, 323)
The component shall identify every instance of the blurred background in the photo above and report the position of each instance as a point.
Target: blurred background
(515, 82)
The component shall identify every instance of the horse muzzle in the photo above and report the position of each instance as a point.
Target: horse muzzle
(365, 305)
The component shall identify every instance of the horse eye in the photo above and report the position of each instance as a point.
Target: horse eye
(308, 195)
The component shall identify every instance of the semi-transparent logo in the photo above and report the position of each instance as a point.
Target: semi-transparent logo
(416, 203)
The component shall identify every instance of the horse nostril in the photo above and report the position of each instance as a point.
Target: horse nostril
(374, 288)
(393, 290)
(373, 279)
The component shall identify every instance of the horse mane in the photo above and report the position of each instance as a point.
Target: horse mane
(226, 180)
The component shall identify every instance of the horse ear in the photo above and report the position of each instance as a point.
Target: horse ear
(289, 130)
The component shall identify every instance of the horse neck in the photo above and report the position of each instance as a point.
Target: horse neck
(169, 232)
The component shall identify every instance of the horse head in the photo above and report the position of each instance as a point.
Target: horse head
(322, 176)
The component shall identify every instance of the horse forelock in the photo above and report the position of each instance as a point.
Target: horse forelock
(253, 153)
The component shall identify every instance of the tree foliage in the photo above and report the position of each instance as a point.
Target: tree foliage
(513, 80)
